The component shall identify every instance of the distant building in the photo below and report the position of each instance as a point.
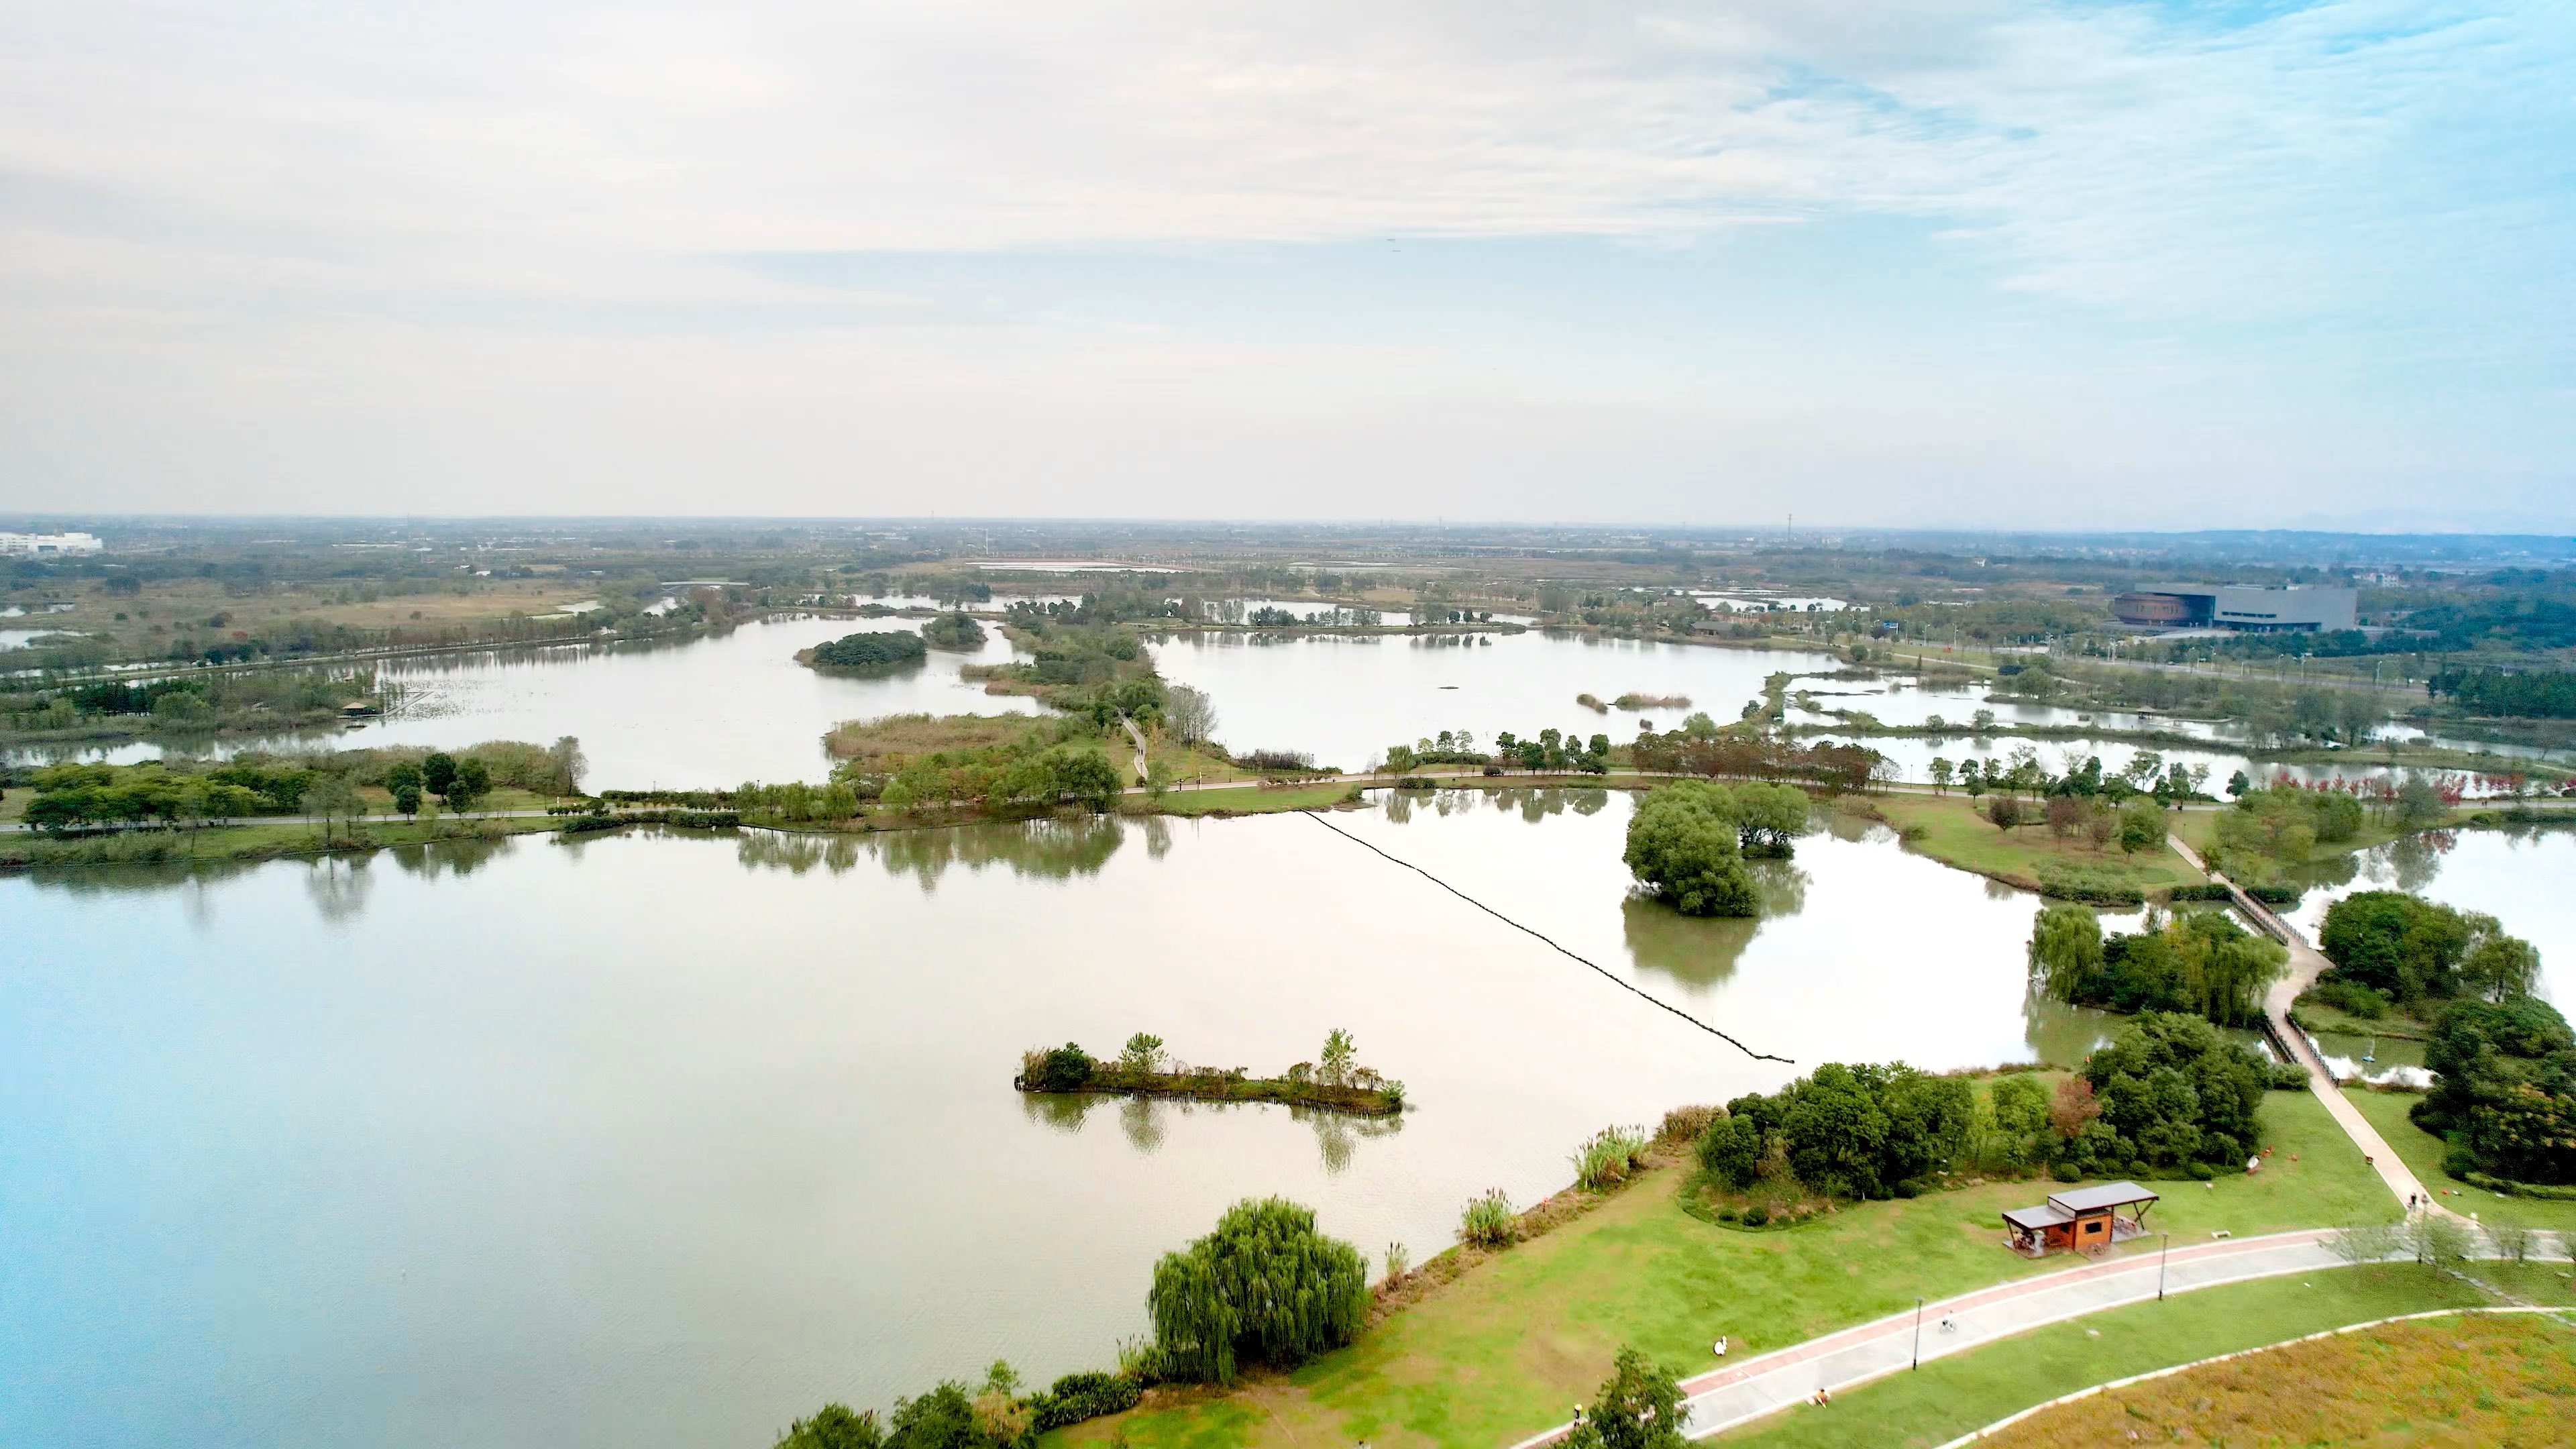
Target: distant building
(2237, 606)
(32, 543)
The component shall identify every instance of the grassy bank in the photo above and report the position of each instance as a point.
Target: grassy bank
(266, 841)
(1949, 829)
(1502, 1351)
(1244, 800)
(2421, 1151)
(1948, 1397)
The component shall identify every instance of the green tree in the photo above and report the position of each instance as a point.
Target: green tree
(2142, 825)
(1731, 1148)
(1682, 841)
(1265, 1287)
(1638, 1407)
(2066, 951)
(1941, 773)
(437, 773)
(334, 797)
(1338, 1057)
(471, 782)
(1142, 1051)
(567, 764)
(407, 798)
(833, 1426)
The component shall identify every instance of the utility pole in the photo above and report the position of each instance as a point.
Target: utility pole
(2163, 1253)
(1918, 1333)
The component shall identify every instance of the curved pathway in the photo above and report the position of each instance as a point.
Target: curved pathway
(2306, 963)
(1764, 1384)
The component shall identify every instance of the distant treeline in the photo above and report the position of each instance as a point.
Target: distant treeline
(2535, 695)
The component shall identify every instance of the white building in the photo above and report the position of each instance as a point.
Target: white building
(29, 543)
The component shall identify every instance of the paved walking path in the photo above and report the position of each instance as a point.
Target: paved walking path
(2306, 963)
(1763, 1384)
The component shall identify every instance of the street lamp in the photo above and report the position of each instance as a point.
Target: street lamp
(1918, 1333)
(2161, 1254)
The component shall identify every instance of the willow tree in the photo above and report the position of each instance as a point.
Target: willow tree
(1265, 1287)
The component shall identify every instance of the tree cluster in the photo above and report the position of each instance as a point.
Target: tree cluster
(953, 631)
(2199, 961)
(2168, 1092)
(1687, 842)
(1863, 1131)
(1700, 748)
(872, 650)
(2504, 1092)
(2405, 950)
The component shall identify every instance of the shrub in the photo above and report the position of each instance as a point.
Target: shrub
(1489, 1221)
(2200, 1171)
(1730, 1149)
(1068, 1068)
(2289, 1077)
(833, 1426)
(2065, 1172)
(1086, 1395)
(1264, 1287)
(1608, 1156)
(1756, 1215)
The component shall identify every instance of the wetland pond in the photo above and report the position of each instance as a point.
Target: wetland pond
(662, 1139)
(718, 709)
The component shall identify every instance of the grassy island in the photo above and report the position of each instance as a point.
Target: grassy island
(1143, 1069)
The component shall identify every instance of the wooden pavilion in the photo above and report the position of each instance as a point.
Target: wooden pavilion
(2085, 1219)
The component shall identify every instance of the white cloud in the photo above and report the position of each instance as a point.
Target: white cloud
(277, 204)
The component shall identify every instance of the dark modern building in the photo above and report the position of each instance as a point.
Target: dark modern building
(2237, 606)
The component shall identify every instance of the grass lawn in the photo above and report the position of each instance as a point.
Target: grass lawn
(1950, 831)
(1502, 1352)
(1247, 800)
(2422, 1151)
(1948, 1397)
(2397, 1025)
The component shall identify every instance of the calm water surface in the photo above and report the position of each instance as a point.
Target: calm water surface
(2519, 875)
(662, 1140)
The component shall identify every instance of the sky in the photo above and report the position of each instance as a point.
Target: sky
(1980, 263)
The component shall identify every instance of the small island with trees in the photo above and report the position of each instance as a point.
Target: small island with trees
(1335, 1082)
(870, 650)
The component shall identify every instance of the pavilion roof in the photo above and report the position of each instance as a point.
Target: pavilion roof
(2094, 1199)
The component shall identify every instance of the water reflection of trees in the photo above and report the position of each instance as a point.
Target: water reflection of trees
(1146, 1121)
(1702, 951)
(2061, 1032)
(1055, 849)
(1339, 1134)
(339, 887)
(447, 857)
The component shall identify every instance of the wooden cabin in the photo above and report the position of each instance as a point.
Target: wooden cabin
(2084, 1219)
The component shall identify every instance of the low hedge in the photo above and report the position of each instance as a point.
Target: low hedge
(2211, 891)
(1086, 1395)
(2510, 1188)
(2276, 895)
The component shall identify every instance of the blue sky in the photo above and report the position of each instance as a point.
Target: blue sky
(1962, 261)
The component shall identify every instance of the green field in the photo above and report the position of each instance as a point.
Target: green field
(1948, 1397)
(1243, 800)
(1948, 829)
(1502, 1352)
(2422, 1152)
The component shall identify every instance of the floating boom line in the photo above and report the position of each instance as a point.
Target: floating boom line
(1628, 986)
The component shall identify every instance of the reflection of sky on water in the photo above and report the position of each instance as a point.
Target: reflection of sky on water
(703, 1129)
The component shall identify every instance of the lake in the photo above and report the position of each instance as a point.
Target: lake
(2519, 875)
(662, 1139)
(719, 709)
